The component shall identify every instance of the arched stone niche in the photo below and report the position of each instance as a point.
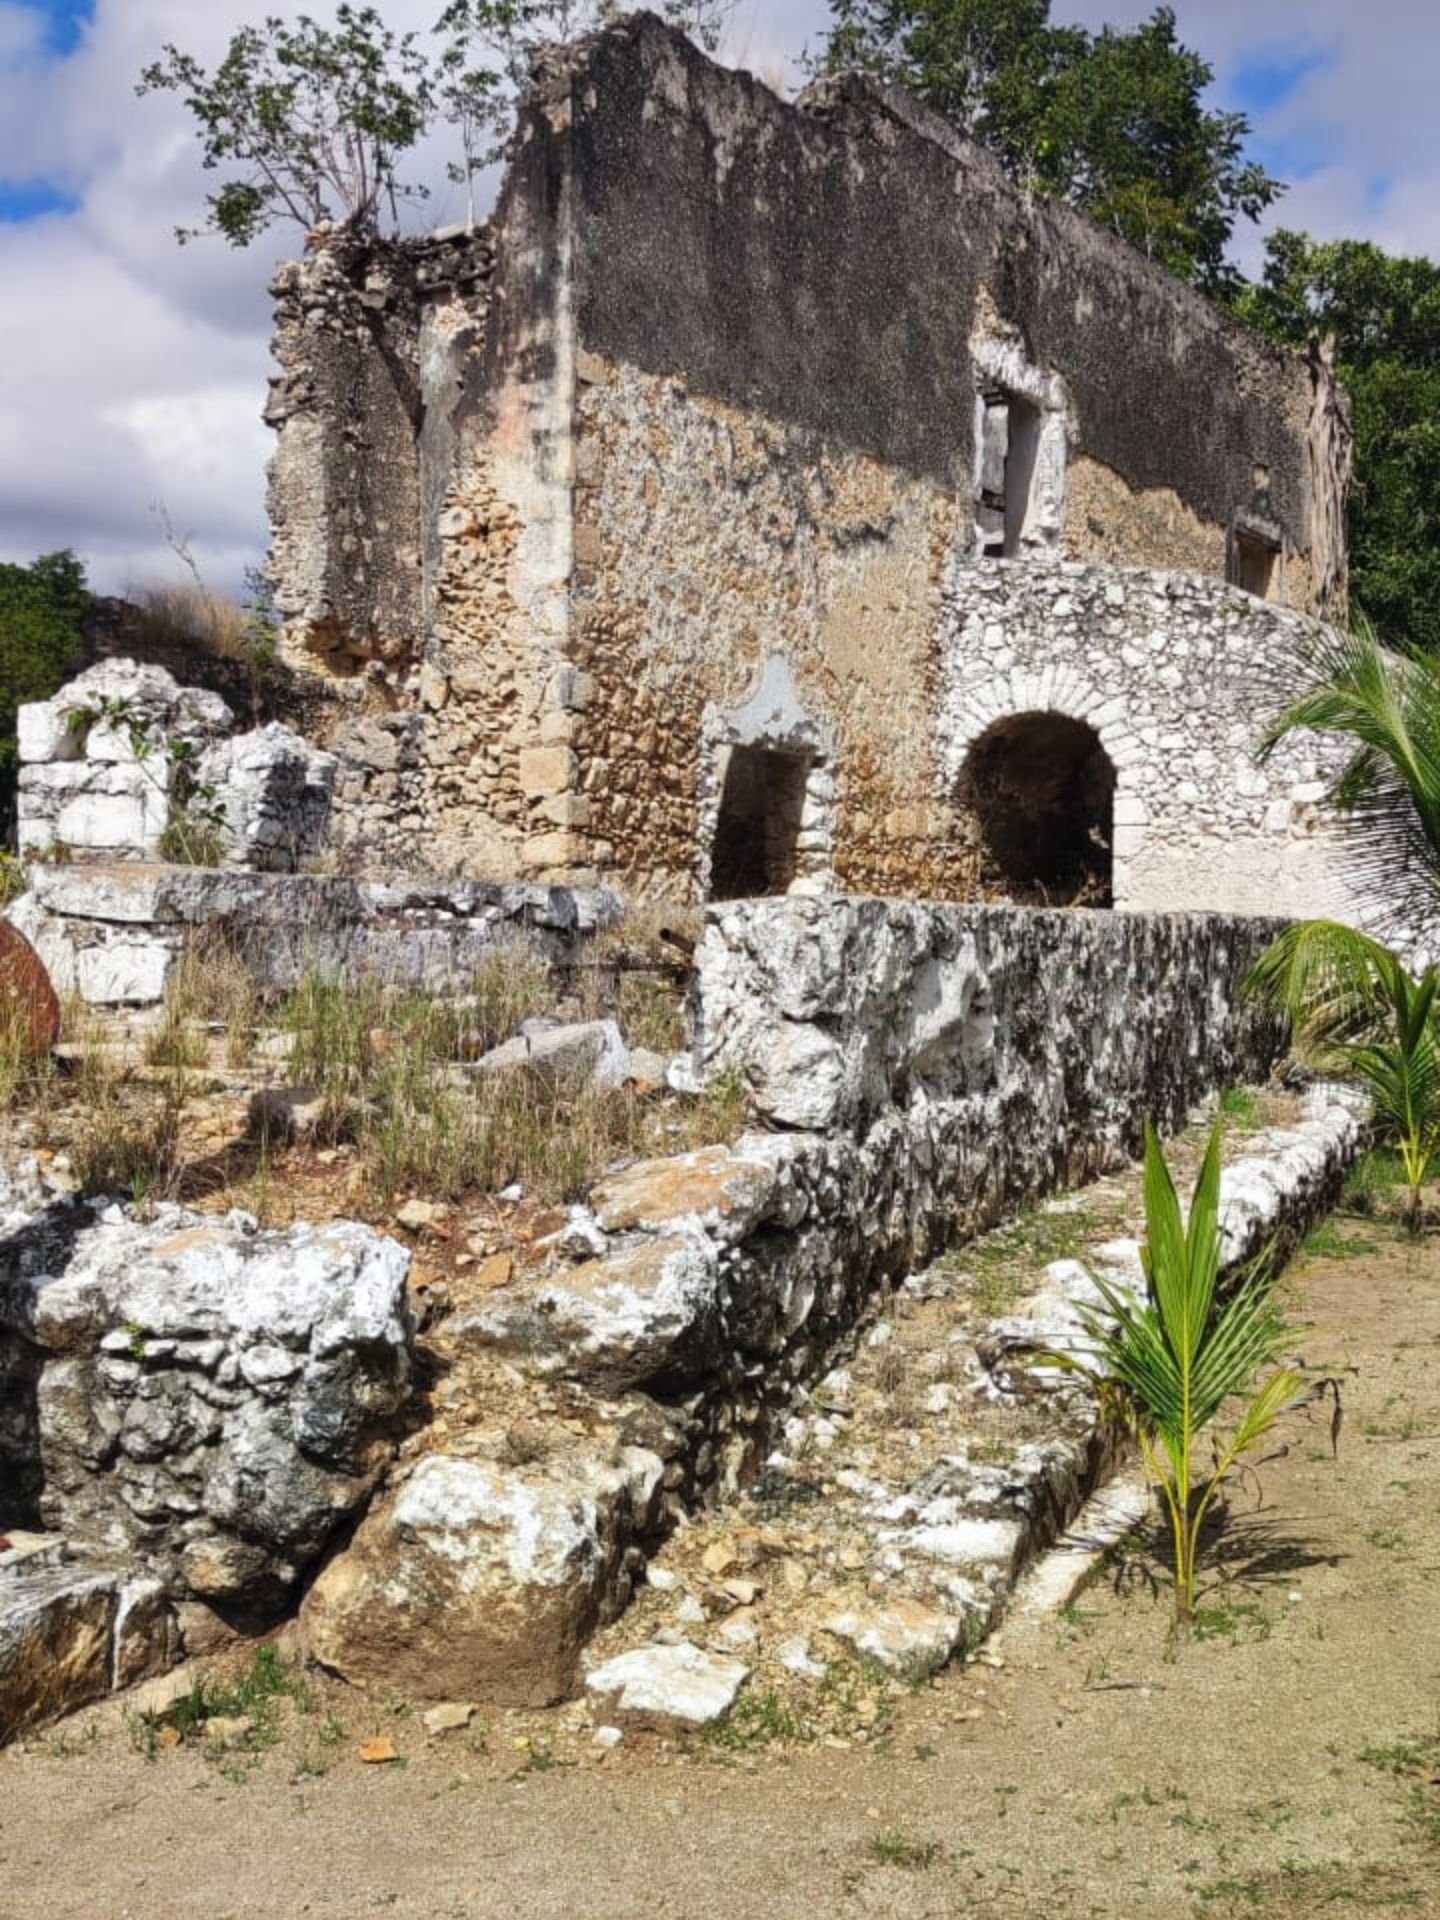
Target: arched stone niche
(1041, 790)
(767, 794)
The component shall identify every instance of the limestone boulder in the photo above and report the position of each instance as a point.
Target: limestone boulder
(646, 1313)
(473, 1580)
(724, 1191)
(208, 1401)
(69, 1634)
(586, 1050)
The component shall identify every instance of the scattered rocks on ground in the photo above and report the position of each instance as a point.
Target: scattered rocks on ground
(666, 1689)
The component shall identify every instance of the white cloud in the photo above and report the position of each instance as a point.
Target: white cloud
(21, 31)
(131, 369)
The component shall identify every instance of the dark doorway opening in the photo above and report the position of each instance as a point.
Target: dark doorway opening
(1042, 790)
(758, 831)
(1009, 445)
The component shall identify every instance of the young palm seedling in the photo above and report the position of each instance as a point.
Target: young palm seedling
(1169, 1362)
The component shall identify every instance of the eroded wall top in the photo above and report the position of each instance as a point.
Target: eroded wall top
(831, 264)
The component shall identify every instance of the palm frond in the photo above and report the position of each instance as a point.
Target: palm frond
(1335, 985)
(1388, 706)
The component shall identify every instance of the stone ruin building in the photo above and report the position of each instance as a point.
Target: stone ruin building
(774, 498)
(771, 506)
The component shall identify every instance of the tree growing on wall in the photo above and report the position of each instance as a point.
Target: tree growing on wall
(314, 125)
(42, 617)
(1113, 123)
(1384, 312)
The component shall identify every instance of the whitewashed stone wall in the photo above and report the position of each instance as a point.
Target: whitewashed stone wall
(1177, 674)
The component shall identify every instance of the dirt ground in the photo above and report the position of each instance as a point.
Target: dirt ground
(1284, 1762)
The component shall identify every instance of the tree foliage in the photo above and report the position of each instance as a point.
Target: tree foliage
(42, 617)
(313, 124)
(1384, 311)
(315, 119)
(1114, 123)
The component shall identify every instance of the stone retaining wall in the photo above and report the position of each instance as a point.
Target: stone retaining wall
(926, 1071)
(114, 934)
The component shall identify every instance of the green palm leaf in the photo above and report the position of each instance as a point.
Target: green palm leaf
(1175, 1357)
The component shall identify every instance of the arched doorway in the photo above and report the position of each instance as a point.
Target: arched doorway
(1041, 789)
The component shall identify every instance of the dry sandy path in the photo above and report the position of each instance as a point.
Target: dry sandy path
(1097, 1773)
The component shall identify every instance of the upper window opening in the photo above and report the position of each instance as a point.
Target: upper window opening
(1009, 445)
(1252, 563)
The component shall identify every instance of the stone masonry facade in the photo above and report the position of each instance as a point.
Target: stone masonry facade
(669, 529)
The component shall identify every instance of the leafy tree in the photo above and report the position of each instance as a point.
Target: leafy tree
(316, 121)
(42, 617)
(315, 118)
(1113, 123)
(1384, 311)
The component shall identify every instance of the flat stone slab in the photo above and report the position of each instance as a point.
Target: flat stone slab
(667, 1688)
(902, 1635)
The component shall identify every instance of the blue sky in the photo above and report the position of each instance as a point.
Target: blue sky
(132, 371)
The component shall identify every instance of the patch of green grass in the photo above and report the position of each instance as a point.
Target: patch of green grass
(1388, 1539)
(254, 1694)
(1240, 1108)
(896, 1849)
(1002, 1266)
(1234, 1621)
(1373, 1183)
(1401, 1757)
(757, 1720)
(1332, 1240)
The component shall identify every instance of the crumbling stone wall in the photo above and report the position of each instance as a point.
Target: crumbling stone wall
(371, 344)
(710, 408)
(115, 934)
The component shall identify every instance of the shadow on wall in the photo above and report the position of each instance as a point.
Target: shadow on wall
(1041, 789)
